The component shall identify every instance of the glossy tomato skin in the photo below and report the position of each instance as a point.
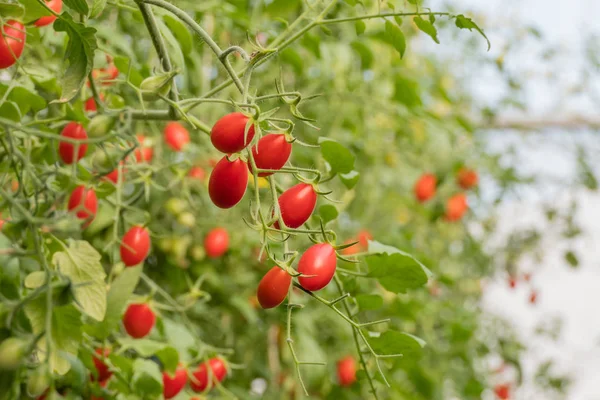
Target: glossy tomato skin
(84, 201)
(201, 375)
(102, 370)
(273, 288)
(271, 152)
(456, 206)
(320, 261)
(12, 42)
(173, 384)
(467, 178)
(425, 187)
(139, 320)
(176, 136)
(297, 204)
(216, 242)
(346, 371)
(56, 6)
(135, 246)
(227, 134)
(227, 183)
(143, 153)
(72, 130)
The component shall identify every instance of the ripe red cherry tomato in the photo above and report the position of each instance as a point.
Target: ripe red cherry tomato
(320, 262)
(297, 204)
(216, 242)
(102, 369)
(197, 173)
(174, 384)
(425, 187)
(135, 246)
(90, 103)
(138, 320)
(271, 152)
(502, 391)
(227, 183)
(201, 382)
(66, 150)
(227, 135)
(84, 202)
(273, 288)
(113, 176)
(176, 136)
(106, 75)
(348, 251)
(363, 238)
(456, 206)
(12, 42)
(143, 153)
(346, 371)
(467, 178)
(56, 6)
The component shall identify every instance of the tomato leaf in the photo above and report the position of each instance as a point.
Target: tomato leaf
(97, 8)
(147, 379)
(369, 302)
(173, 46)
(350, 179)
(396, 37)
(80, 262)
(339, 158)
(169, 357)
(35, 279)
(365, 53)
(182, 33)
(360, 27)
(79, 54)
(11, 10)
(80, 6)
(328, 213)
(394, 342)
(572, 259)
(33, 10)
(463, 22)
(426, 27)
(10, 110)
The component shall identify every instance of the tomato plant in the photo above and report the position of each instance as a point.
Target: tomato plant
(273, 287)
(317, 266)
(135, 246)
(71, 151)
(208, 374)
(176, 136)
(271, 152)
(227, 183)
(230, 135)
(138, 320)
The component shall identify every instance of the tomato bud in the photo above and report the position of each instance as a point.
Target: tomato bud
(100, 125)
(38, 381)
(12, 352)
(158, 84)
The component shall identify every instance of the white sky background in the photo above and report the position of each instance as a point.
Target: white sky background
(571, 294)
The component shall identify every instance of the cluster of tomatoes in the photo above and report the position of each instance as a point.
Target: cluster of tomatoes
(456, 205)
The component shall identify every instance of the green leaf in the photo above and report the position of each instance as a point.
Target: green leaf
(181, 32)
(33, 10)
(35, 279)
(147, 379)
(406, 91)
(81, 263)
(122, 64)
(572, 259)
(10, 110)
(120, 291)
(339, 158)
(79, 6)
(144, 347)
(365, 53)
(26, 99)
(350, 179)
(173, 45)
(97, 8)
(463, 22)
(179, 336)
(369, 301)
(396, 37)
(426, 27)
(378, 248)
(396, 272)
(79, 54)
(328, 213)
(360, 27)
(415, 2)
(169, 357)
(394, 342)
(11, 10)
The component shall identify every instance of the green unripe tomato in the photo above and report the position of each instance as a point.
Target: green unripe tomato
(197, 252)
(38, 381)
(100, 125)
(12, 353)
(154, 85)
(187, 219)
(175, 205)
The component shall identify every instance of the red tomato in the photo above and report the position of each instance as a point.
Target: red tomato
(297, 204)
(273, 288)
(176, 136)
(174, 384)
(90, 103)
(502, 391)
(1, 223)
(425, 187)
(84, 202)
(12, 42)
(216, 242)
(138, 320)
(227, 183)
(201, 375)
(227, 135)
(363, 238)
(533, 297)
(318, 264)
(512, 282)
(197, 173)
(271, 152)
(135, 246)
(143, 153)
(106, 75)
(467, 178)
(56, 6)
(348, 251)
(346, 371)
(456, 206)
(101, 368)
(113, 176)
(527, 276)
(72, 130)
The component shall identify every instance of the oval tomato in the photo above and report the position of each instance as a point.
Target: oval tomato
(467, 178)
(227, 183)
(197, 173)
(297, 204)
(456, 206)
(138, 320)
(271, 152)
(103, 373)
(106, 75)
(56, 6)
(216, 242)
(200, 382)
(317, 266)
(172, 385)
(425, 187)
(84, 202)
(113, 176)
(144, 152)
(12, 42)
(135, 246)
(90, 103)
(363, 238)
(348, 251)
(67, 151)
(227, 134)
(273, 288)
(502, 391)
(346, 371)
(176, 136)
